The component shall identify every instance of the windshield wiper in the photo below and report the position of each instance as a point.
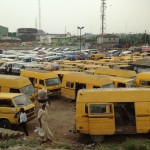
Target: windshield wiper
(20, 104)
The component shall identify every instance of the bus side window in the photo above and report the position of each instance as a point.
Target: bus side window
(14, 90)
(95, 87)
(146, 83)
(6, 103)
(69, 84)
(100, 108)
(41, 82)
(97, 108)
(122, 85)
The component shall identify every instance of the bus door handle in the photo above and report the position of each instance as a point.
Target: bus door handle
(84, 116)
(110, 117)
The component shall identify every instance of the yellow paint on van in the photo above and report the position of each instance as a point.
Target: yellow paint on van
(143, 79)
(116, 72)
(101, 112)
(71, 83)
(9, 108)
(39, 79)
(16, 84)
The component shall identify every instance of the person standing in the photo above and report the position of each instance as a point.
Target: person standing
(42, 117)
(23, 120)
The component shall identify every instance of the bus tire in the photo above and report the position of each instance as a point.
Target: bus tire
(98, 138)
(4, 123)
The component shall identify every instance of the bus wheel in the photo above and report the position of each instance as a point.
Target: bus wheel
(4, 123)
(98, 138)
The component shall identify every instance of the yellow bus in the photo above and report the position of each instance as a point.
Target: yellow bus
(43, 79)
(120, 82)
(116, 72)
(17, 84)
(10, 104)
(101, 112)
(71, 83)
(143, 79)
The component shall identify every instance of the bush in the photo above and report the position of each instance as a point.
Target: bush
(64, 146)
(107, 148)
(131, 145)
(142, 147)
(9, 143)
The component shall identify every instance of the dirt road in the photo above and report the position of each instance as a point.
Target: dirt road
(61, 120)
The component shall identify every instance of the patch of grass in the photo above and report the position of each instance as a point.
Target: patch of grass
(107, 147)
(9, 143)
(64, 146)
(143, 147)
(135, 145)
(130, 145)
(31, 143)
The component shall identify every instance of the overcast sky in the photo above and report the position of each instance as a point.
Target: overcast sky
(122, 16)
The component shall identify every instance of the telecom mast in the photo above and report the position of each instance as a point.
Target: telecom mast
(103, 23)
(39, 15)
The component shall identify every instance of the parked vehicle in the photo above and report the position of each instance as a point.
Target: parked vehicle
(10, 104)
(72, 83)
(101, 112)
(97, 56)
(42, 78)
(17, 84)
(116, 72)
(143, 79)
(120, 82)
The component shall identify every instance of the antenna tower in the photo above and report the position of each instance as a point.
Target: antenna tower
(103, 23)
(39, 15)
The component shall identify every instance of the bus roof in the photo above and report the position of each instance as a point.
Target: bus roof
(9, 95)
(13, 81)
(119, 79)
(41, 74)
(116, 72)
(144, 75)
(87, 78)
(112, 95)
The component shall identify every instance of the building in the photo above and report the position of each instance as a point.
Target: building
(26, 34)
(3, 31)
(108, 40)
(58, 39)
(64, 41)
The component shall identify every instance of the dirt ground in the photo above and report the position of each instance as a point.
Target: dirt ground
(61, 121)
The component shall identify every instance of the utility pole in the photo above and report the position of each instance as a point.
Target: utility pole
(103, 8)
(80, 28)
(39, 15)
(145, 38)
(65, 30)
(36, 23)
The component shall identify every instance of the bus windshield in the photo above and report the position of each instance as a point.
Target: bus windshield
(28, 90)
(108, 86)
(22, 100)
(52, 81)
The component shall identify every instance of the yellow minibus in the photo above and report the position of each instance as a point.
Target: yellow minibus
(143, 79)
(10, 104)
(71, 83)
(17, 84)
(101, 112)
(116, 72)
(43, 79)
